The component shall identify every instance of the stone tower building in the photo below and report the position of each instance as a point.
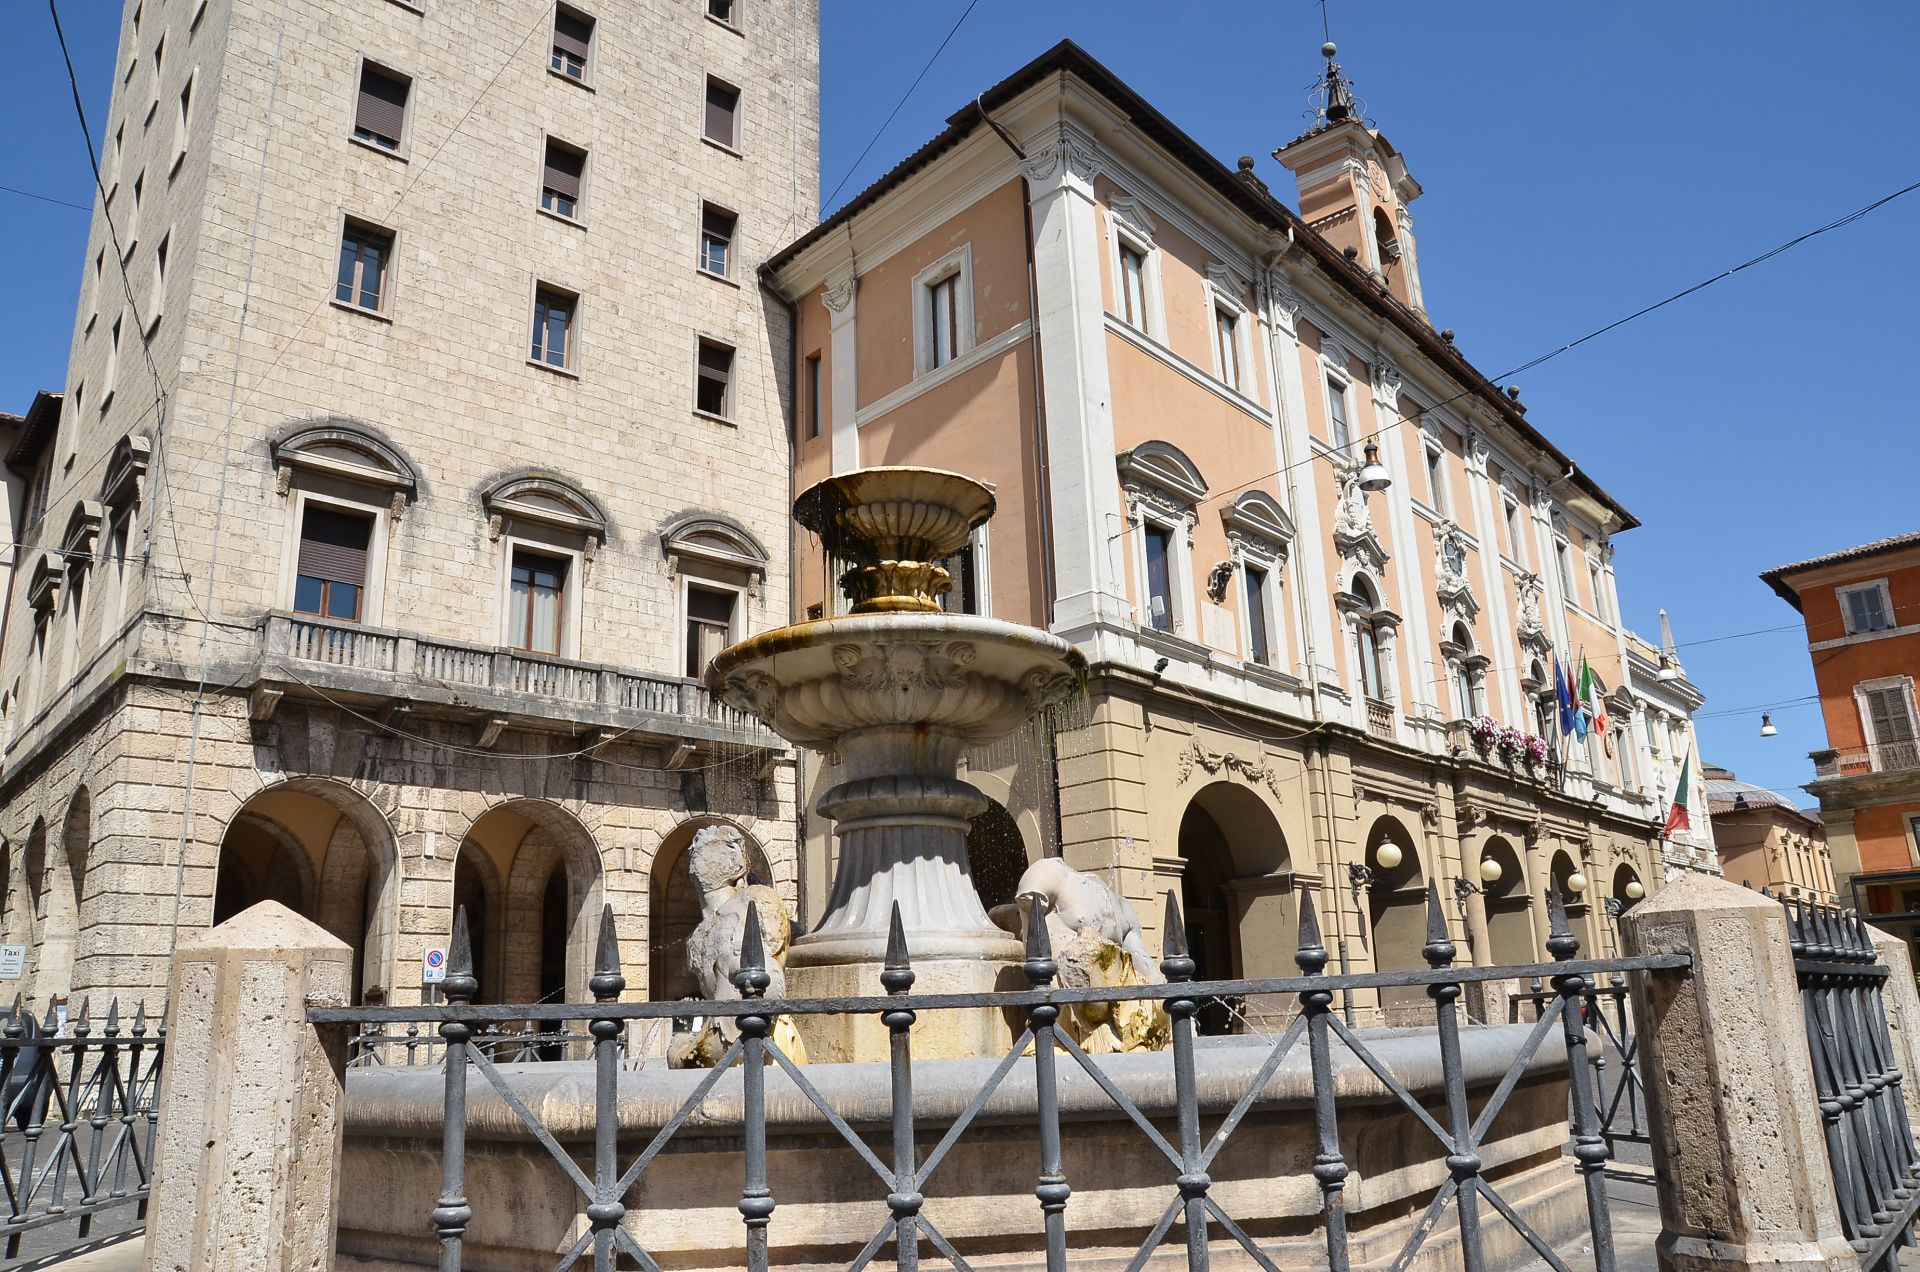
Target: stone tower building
(423, 435)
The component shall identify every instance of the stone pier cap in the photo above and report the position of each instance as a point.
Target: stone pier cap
(407, 1101)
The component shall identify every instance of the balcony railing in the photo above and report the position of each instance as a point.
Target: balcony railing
(1380, 718)
(1884, 757)
(351, 658)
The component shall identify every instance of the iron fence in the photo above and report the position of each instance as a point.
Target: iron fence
(82, 1111)
(503, 1044)
(1620, 1093)
(1856, 1073)
(605, 1184)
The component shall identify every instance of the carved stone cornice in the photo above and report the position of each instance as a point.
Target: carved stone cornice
(1065, 154)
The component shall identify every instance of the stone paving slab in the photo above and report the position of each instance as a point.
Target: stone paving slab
(111, 1254)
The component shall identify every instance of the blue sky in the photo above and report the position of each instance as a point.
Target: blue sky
(1579, 162)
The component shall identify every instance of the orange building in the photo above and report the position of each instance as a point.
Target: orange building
(1302, 542)
(1768, 842)
(1862, 610)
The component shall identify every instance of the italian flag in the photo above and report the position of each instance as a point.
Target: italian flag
(1677, 816)
(1590, 695)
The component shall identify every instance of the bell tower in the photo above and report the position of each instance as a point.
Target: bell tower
(1355, 188)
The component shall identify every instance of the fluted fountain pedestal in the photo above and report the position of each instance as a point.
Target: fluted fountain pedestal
(897, 691)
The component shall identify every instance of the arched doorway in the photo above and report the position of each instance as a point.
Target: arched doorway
(542, 924)
(1396, 911)
(996, 856)
(1509, 906)
(319, 848)
(674, 908)
(1236, 899)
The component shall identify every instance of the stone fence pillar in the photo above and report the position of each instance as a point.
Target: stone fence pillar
(246, 1175)
(1738, 1147)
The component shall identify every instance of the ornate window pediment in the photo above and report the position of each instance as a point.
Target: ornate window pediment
(704, 538)
(83, 527)
(335, 447)
(44, 584)
(546, 498)
(1160, 473)
(125, 468)
(1457, 601)
(1257, 523)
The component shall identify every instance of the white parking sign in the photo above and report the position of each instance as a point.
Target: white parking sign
(433, 966)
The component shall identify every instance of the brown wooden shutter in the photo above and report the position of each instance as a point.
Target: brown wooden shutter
(563, 170)
(572, 33)
(383, 103)
(333, 546)
(722, 103)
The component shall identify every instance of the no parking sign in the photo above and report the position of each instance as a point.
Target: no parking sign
(433, 965)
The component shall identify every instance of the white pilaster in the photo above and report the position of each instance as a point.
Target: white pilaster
(1498, 639)
(1409, 579)
(1084, 486)
(844, 440)
(1293, 449)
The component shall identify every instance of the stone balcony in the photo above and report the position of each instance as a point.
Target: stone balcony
(307, 656)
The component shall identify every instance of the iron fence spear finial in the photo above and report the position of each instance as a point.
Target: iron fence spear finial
(1561, 942)
(897, 973)
(1311, 956)
(606, 982)
(1439, 949)
(752, 979)
(1039, 967)
(1176, 963)
(460, 985)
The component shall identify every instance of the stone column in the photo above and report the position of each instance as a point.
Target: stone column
(1903, 1014)
(246, 1175)
(1740, 1158)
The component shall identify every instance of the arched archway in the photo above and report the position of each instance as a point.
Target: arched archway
(321, 849)
(674, 907)
(996, 855)
(60, 884)
(1509, 906)
(1236, 897)
(1397, 909)
(541, 947)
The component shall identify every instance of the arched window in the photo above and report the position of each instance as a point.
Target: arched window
(345, 487)
(549, 530)
(1384, 236)
(1466, 678)
(1540, 691)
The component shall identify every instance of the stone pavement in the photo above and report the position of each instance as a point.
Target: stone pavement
(110, 1254)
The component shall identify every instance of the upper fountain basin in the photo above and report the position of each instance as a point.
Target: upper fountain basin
(977, 679)
(894, 527)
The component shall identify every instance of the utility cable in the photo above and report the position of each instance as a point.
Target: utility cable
(46, 198)
(878, 133)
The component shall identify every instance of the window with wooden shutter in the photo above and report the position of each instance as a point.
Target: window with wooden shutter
(553, 327)
(572, 41)
(717, 226)
(709, 626)
(1866, 608)
(332, 568)
(361, 280)
(721, 11)
(380, 117)
(536, 602)
(723, 114)
(560, 179)
(714, 392)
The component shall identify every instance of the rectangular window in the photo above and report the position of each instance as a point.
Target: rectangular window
(713, 394)
(721, 11)
(1133, 287)
(1226, 340)
(709, 626)
(716, 240)
(1437, 480)
(1598, 582)
(331, 575)
(99, 270)
(1259, 643)
(133, 217)
(1890, 728)
(1341, 436)
(572, 42)
(816, 398)
(1568, 584)
(1865, 609)
(943, 301)
(1159, 577)
(1516, 534)
(157, 297)
(722, 124)
(536, 602)
(380, 118)
(112, 376)
(560, 179)
(365, 254)
(553, 315)
(119, 148)
(181, 120)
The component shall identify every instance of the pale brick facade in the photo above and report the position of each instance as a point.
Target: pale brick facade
(378, 745)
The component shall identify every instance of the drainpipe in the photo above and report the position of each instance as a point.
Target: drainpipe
(795, 372)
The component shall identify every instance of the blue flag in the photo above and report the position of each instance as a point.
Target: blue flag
(1563, 693)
